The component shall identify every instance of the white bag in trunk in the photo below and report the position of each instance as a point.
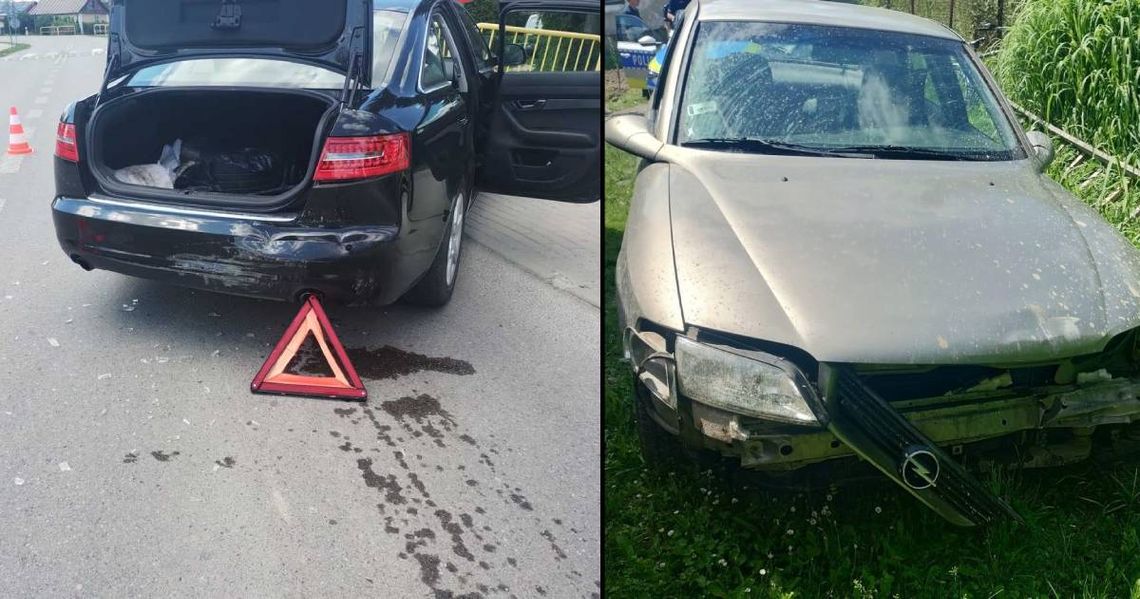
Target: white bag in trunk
(161, 175)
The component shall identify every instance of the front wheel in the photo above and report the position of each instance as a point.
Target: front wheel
(435, 289)
(660, 449)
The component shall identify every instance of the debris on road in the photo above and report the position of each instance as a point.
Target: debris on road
(105, 375)
(64, 467)
(52, 341)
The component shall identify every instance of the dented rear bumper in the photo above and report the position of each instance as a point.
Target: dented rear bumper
(266, 256)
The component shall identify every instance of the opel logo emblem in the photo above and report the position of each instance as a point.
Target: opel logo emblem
(919, 468)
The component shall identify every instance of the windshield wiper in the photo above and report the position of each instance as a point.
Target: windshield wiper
(766, 146)
(910, 152)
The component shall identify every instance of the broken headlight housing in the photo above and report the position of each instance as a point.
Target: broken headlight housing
(745, 382)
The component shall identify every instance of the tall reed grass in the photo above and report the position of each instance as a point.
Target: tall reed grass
(1077, 64)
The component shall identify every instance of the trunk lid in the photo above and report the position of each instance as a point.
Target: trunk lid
(334, 34)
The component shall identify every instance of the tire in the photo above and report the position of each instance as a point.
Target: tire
(660, 449)
(645, 93)
(435, 288)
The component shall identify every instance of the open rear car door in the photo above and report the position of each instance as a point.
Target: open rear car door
(545, 134)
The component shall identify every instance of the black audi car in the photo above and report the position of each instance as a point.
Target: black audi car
(274, 149)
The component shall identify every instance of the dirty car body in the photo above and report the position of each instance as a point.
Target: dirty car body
(410, 113)
(842, 247)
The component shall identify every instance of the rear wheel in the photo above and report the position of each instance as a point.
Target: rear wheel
(434, 290)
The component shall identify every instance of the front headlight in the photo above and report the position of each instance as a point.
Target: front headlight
(741, 381)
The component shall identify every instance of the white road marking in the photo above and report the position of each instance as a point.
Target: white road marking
(34, 113)
(10, 165)
(41, 100)
(98, 51)
(29, 57)
(2, 200)
(46, 91)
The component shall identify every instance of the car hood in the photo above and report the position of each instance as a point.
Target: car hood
(144, 32)
(897, 262)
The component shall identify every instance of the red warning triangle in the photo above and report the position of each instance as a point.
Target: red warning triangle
(311, 320)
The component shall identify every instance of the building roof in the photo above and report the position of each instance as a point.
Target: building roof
(820, 12)
(68, 7)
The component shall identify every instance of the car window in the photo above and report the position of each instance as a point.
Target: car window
(630, 28)
(478, 43)
(439, 63)
(386, 28)
(252, 72)
(825, 87)
(554, 41)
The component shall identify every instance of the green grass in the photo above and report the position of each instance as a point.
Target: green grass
(623, 100)
(1077, 64)
(6, 48)
(667, 534)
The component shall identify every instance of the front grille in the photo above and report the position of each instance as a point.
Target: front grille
(875, 430)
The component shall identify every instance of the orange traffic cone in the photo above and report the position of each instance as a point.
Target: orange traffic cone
(17, 143)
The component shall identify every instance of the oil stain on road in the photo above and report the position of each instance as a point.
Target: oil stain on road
(385, 362)
(450, 539)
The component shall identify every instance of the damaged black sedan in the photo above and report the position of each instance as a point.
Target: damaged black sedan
(842, 253)
(278, 149)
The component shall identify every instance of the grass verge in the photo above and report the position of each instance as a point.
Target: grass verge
(686, 534)
(6, 49)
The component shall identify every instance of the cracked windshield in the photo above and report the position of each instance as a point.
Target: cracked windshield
(839, 90)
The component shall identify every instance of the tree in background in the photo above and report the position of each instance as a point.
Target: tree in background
(483, 11)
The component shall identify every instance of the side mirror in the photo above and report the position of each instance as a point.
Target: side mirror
(513, 55)
(630, 132)
(1042, 147)
(647, 40)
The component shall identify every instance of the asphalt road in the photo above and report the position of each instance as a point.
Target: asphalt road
(135, 462)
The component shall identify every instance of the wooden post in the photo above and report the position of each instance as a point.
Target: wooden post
(951, 14)
(912, 7)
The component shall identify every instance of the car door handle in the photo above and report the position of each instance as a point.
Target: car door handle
(529, 104)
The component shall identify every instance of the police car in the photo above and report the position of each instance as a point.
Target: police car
(637, 45)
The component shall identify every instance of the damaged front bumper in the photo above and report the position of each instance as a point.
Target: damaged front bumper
(919, 444)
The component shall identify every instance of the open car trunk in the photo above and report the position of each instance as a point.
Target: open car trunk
(241, 148)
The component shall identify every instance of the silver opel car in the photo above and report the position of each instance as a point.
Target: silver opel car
(842, 253)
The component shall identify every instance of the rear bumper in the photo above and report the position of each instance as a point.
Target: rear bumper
(266, 256)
